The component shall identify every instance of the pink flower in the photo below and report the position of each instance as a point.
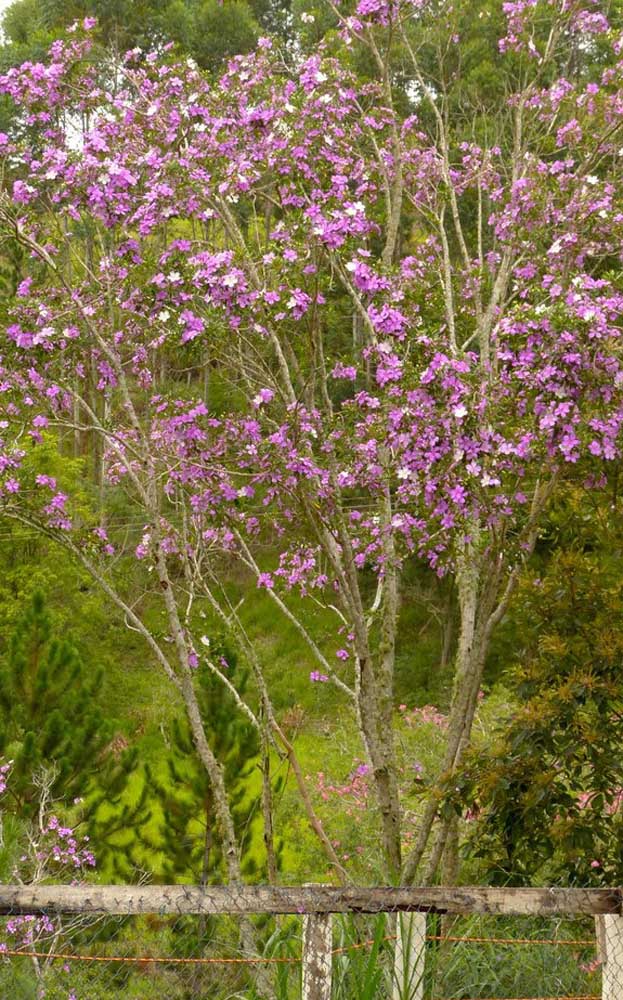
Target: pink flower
(316, 676)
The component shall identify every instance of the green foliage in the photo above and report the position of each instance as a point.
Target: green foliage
(211, 32)
(116, 810)
(358, 971)
(54, 729)
(547, 790)
(188, 837)
(495, 970)
(208, 31)
(51, 718)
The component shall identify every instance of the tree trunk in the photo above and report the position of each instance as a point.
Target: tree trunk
(378, 743)
(475, 605)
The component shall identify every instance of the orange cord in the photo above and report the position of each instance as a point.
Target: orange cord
(477, 940)
(147, 959)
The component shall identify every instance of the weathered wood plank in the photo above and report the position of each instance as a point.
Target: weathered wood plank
(117, 899)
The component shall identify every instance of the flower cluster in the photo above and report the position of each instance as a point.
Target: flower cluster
(58, 845)
(427, 713)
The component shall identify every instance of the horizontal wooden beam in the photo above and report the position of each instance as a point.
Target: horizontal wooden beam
(188, 899)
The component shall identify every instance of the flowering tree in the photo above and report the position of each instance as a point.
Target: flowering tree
(419, 334)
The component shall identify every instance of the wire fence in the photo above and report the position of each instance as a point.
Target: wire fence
(295, 956)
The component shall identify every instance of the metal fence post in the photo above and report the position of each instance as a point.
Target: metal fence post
(409, 956)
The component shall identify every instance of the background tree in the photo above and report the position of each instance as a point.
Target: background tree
(207, 31)
(189, 834)
(546, 792)
(53, 728)
(51, 716)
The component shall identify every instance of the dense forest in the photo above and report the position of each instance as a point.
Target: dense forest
(311, 397)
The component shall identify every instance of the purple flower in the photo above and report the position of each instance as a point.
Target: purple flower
(263, 396)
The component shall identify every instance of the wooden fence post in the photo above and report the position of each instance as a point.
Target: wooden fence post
(409, 956)
(317, 956)
(611, 947)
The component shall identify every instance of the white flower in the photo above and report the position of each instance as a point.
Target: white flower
(404, 473)
(591, 179)
(307, 18)
(174, 276)
(204, 640)
(488, 480)
(460, 411)
(355, 208)
(164, 315)
(556, 247)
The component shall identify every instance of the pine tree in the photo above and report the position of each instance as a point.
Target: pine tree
(189, 837)
(49, 712)
(53, 728)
